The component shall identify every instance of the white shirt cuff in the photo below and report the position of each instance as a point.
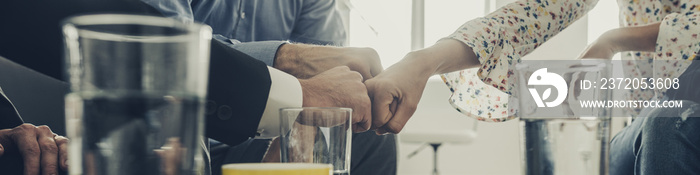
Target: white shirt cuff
(285, 91)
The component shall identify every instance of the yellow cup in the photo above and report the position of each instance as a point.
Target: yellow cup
(277, 169)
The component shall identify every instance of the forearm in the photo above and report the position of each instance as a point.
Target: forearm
(260, 50)
(447, 55)
(289, 59)
(640, 38)
(236, 107)
(305, 61)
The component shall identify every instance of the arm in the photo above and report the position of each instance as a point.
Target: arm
(674, 39)
(337, 87)
(641, 38)
(491, 43)
(245, 94)
(237, 94)
(305, 60)
(317, 23)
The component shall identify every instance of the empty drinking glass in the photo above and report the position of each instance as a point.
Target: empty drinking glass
(138, 84)
(317, 135)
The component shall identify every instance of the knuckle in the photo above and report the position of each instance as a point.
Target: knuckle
(51, 167)
(363, 90)
(374, 54)
(32, 151)
(357, 119)
(358, 87)
(370, 51)
(24, 130)
(379, 121)
(26, 126)
(394, 127)
(363, 112)
(357, 76)
(367, 119)
(60, 139)
(48, 146)
(412, 107)
(343, 68)
(43, 128)
(365, 105)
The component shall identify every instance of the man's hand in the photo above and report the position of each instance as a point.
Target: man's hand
(305, 61)
(339, 87)
(41, 149)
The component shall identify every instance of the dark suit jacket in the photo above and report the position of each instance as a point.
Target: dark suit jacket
(238, 84)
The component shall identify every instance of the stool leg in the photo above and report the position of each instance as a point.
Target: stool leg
(435, 157)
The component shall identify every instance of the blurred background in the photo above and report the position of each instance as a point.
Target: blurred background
(392, 27)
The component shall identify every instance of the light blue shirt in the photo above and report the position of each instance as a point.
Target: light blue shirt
(270, 23)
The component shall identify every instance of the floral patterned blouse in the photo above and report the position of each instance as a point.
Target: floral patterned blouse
(676, 44)
(501, 38)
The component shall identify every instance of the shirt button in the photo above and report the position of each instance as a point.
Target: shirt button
(224, 112)
(260, 132)
(210, 107)
(242, 15)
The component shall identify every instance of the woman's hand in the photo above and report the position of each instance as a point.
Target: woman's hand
(395, 93)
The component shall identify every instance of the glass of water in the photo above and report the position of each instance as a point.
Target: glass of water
(558, 134)
(138, 85)
(317, 135)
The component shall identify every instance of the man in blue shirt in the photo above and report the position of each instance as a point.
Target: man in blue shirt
(261, 28)
(239, 22)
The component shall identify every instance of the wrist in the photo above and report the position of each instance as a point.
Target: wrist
(638, 38)
(286, 56)
(305, 61)
(614, 40)
(294, 59)
(421, 63)
(447, 55)
(307, 90)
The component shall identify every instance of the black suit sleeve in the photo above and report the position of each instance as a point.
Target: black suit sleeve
(238, 84)
(238, 89)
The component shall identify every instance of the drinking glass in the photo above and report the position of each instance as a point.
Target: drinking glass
(317, 135)
(558, 135)
(138, 85)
